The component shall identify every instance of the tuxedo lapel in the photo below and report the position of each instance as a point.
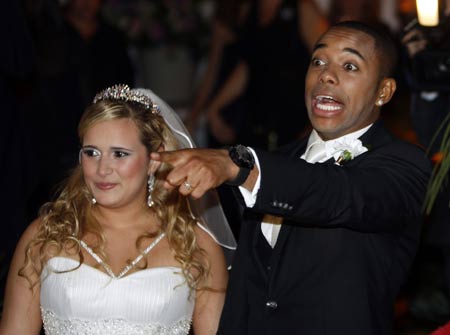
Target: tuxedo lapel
(299, 149)
(376, 136)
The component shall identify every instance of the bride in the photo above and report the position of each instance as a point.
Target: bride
(116, 253)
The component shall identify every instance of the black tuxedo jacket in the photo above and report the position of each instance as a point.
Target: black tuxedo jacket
(348, 239)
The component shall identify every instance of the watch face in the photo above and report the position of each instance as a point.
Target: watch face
(242, 157)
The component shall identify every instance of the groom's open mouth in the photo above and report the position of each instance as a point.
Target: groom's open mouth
(326, 105)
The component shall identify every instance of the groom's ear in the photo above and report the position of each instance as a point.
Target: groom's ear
(386, 90)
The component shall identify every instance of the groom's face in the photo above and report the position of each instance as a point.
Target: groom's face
(343, 83)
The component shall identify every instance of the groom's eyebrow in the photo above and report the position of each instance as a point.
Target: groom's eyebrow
(346, 49)
(354, 52)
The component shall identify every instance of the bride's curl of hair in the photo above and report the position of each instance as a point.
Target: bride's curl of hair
(64, 221)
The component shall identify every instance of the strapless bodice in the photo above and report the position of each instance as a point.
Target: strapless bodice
(89, 301)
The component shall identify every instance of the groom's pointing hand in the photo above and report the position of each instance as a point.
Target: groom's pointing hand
(195, 171)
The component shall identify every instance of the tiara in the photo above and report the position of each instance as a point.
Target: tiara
(124, 93)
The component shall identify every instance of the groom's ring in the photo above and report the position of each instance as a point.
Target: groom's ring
(188, 186)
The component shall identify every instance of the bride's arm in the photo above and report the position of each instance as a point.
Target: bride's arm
(209, 303)
(21, 312)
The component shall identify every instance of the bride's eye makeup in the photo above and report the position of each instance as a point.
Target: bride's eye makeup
(90, 152)
(115, 153)
(120, 153)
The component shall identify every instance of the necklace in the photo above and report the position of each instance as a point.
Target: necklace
(127, 268)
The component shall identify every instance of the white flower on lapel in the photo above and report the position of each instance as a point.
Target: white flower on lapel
(347, 149)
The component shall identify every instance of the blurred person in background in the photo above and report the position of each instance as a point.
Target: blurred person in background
(16, 64)
(426, 51)
(78, 54)
(99, 49)
(276, 38)
(223, 56)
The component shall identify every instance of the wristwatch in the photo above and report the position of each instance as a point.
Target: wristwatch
(243, 158)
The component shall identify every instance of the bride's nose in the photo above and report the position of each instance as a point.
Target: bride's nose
(104, 166)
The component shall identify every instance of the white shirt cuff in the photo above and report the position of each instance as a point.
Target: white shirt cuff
(250, 197)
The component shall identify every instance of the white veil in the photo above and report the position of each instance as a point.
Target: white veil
(208, 208)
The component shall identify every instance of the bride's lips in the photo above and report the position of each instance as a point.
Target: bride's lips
(326, 105)
(105, 186)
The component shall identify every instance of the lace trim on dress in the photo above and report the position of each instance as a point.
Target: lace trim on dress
(53, 325)
(127, 268)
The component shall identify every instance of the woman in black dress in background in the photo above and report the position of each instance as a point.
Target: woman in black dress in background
(274, 53)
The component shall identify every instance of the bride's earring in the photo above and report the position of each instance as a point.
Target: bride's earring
(93, 201)
(151, 185)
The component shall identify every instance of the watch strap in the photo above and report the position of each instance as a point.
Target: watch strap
(240, 178)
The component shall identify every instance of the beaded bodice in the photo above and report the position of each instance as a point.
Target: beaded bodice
(88, 301)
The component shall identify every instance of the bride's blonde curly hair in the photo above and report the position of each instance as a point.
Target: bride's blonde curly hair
(64, 221)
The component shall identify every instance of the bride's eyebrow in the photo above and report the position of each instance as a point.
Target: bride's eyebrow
(121, 149)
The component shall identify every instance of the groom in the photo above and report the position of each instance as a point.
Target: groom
(348, 202)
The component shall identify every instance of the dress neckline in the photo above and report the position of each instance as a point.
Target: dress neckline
(127, 268)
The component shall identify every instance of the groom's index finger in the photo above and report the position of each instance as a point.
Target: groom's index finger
(169, 157)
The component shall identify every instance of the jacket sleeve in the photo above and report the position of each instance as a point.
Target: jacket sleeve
(376, 192)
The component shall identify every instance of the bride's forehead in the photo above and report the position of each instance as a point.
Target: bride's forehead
(110, 130)
(119, 124)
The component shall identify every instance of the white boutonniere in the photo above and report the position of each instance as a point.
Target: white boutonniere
(347, 149)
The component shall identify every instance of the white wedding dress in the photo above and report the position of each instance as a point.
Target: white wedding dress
(88, 301)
